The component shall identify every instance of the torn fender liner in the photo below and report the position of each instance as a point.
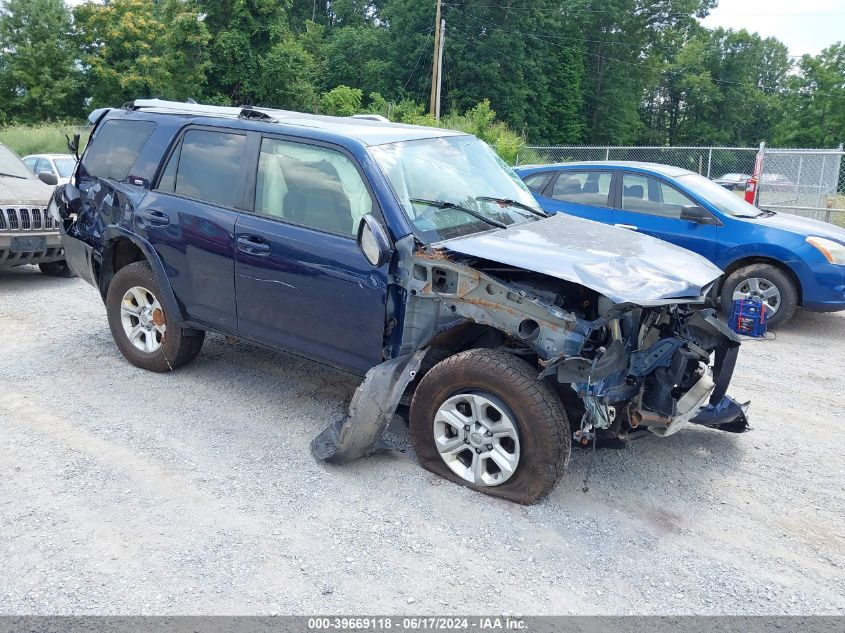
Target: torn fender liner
(370, 411)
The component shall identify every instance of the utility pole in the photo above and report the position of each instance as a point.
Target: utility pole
(440, 68)
(432, 103)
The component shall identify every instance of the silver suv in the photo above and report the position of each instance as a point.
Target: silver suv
(28, 235)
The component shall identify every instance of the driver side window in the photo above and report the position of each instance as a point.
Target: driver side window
(644, 194)
(310, 185)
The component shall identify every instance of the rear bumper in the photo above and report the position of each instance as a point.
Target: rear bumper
(80, 258)
(53, 252)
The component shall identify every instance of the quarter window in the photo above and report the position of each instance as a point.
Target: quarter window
(583, 187)
(537, 182)
(309, 185)
(206, 166)
(644, 194)
(115, 148)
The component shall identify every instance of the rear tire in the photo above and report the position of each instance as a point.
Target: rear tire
(141, 329)
(496, 390)
(56, 269)
(758, 281)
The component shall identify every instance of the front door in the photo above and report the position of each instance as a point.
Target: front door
(301, 281)
(653, 206)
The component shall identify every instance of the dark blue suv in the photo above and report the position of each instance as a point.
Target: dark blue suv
(410, 255)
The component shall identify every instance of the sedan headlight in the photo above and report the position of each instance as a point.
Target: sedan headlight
(834, 252)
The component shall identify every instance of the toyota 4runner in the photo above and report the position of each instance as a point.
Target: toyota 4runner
(410, 255)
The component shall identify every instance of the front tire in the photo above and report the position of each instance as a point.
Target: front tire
(141, 329)
(56, 269)
(481, 419)
(762, 282)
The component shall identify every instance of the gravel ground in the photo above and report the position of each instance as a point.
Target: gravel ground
(126, 492)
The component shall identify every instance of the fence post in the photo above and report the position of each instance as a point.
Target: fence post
(709, 160)
(607, 154)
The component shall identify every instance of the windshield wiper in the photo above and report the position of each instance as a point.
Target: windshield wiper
(13, 176)
(445, 204)
(514, 203)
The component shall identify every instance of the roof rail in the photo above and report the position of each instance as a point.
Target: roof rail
(177, 107)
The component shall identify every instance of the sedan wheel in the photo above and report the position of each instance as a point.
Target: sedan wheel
(762, 290)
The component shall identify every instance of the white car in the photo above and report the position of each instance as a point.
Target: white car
(60, 165)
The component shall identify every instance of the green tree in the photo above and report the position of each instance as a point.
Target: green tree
(38, 77)
(815, 108)
(342, 101)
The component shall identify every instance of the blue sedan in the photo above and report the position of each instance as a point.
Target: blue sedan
(783, 260)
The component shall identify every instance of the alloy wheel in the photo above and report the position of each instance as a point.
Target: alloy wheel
(477, 437)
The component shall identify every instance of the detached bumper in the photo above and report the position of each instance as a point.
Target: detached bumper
(728, 415)
(10, 245)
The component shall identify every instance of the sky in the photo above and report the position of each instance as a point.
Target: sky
(805, 26)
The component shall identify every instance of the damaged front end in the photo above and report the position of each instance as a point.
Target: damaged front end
(618, 366)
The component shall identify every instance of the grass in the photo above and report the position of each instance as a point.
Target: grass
(47, 138)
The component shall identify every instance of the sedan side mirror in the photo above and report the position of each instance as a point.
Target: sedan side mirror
(48, 178)
(373, 241)
(700, 215)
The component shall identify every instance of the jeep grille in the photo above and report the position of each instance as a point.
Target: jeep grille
(31, 219)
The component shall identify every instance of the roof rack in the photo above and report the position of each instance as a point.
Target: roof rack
(198, 109)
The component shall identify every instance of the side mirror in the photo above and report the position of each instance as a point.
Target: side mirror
(73, 145)
(700, 215)
(48, 178)
(373, 241)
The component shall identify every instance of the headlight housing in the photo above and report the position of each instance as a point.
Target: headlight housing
(834, 252)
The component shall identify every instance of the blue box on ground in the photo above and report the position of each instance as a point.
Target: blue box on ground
(748, 317)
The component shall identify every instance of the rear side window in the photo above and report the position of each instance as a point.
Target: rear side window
(116, 147)
(206, 166)
(537, 182)
(583, 187)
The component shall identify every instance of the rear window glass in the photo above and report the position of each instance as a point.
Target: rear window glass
(116, 147)
(206, 167)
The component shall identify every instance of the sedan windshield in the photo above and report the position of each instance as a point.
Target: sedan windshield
(726, 201)
(11, 165)
(453, 186)
(65, 166)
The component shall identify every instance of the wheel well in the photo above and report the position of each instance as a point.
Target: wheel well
(119, 253)
(747, 261)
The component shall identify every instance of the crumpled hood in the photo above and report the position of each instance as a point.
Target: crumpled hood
(802, 226)
(24, 191)
(623, 265)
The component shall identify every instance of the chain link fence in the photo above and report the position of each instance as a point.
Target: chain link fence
(805, 182)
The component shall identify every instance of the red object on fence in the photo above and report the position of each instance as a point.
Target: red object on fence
(751, 190)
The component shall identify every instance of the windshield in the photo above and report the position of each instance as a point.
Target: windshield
(458, 171)
(729, 202)
(11, 165)
(64, 166)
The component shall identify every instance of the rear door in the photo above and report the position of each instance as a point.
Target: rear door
(653, 206)
(581, 192)
(302, 283)
(189, 218)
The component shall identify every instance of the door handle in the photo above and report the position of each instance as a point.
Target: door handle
(153, 217)
(253, 245)
(630, 227)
